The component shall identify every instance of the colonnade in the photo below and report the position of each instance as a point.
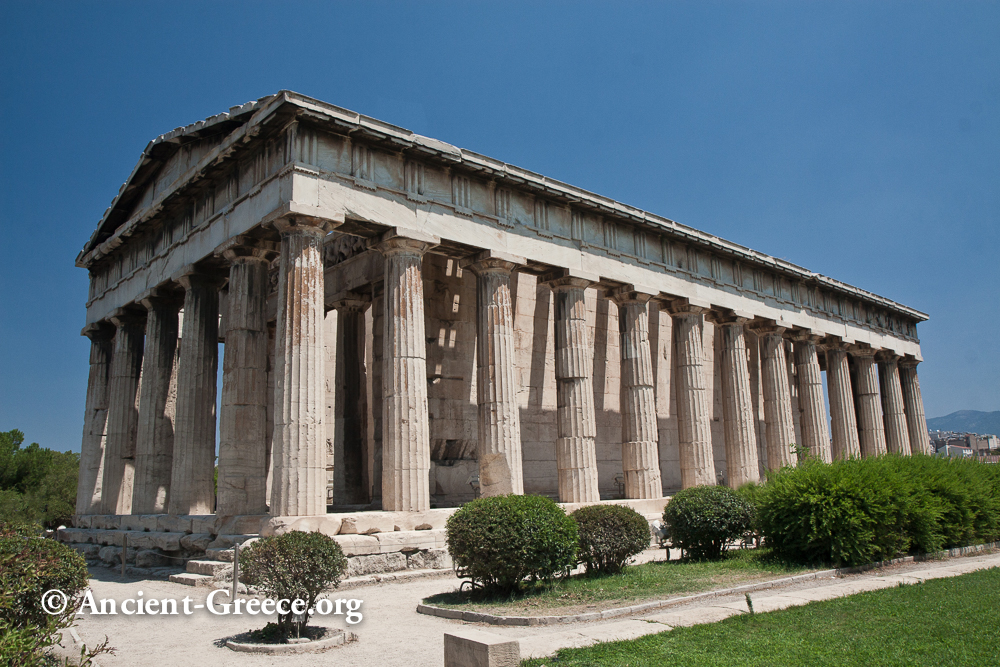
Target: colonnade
(151, 449)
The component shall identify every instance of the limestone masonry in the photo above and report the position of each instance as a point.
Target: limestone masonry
(407, 324)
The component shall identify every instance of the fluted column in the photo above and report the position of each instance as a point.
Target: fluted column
(737, 402)
(871, 429)
(916, 422)
(815, 433)
(95, 418)
(298, 487)
(406, 448)
(123, 412)
(243, 410)
(843, 420)
(576, 451)
(496, 383)
(694, 416)
(191, 479)
(154, 444)
(897, 436)
(640, 448)
(777, 398)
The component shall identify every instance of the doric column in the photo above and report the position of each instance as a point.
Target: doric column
(123, 412)
(299, 448)
(576, 451)
(777, 397)
(694, 415)
(496, 382)
(915, 421)
(897, 436)
(351, 485)
(640, 448)
(815, 433)
(376, 393)
(843, 420)
(406, 448)
(191, 484)
(871, 429)
(95, 418)
(243, 411)
(737, 402)
(154, 443)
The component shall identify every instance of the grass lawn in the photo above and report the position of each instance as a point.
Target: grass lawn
(649, 581)
(940, 622)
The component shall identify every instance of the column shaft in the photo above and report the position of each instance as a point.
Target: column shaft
(777, 400)
(191, 479)
(299, 448)
(640, 449)
(694, 416)
(350, 444)
(243, 411)
(154, 447)
(871, 429)
(737, 407)
(815, 434)
(897, 436)
(406, 449)
(916, 423)
(576, 451)
(123, 414)
(88, 488)
(499, 419)
(843, 420)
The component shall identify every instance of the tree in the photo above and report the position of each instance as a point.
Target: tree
(36, 483)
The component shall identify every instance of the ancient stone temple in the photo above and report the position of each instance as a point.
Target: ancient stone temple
(403, 325)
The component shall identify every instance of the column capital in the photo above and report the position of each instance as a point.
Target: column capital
(631, 293)
(886, 355)
(491, 260)
(834, 343)
(350, 300)
(908, 362)
(685, 306)
(132, 314)
(196, 275)
(568, 279)
(399, 241)
(245, 247)
(98, 330)
(862, 350)
(806, 336)
(722, 316)
(765, 327)
(161, 296)
(289, 224)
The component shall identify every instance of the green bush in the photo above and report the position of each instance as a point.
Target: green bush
(703, 520)
(862, 510)
(36, 483)
(30, 566)
(751, 492)
(293, 566)
(609, 536)
(499, 541)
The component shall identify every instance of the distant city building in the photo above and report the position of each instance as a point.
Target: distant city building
(950, 443)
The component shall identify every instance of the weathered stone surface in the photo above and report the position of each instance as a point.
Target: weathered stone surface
(916, 422)
(170, 523)
(468, 647)
(693, 413)
(431, 559)
(88, 497)
(348, 527)
(151, 558)
(243, 416)
(871, 429)
(205, 524)
(576, 450)
(154, 446)
(144, 522)
(897, 436)
(410, 540)
(123, 413)
(361, 565)
(737, 404)
(243, 525)
(640, 451)
(299, 483)
(106, 522)
(843, 420)
(358, 545)
(328, 525)
(191, 481)
(815, 434)
(88, 551)
(777, 398)
(196, 541)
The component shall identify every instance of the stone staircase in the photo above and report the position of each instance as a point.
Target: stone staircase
(216, 566)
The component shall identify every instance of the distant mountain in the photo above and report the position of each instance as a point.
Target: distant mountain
(967, 421)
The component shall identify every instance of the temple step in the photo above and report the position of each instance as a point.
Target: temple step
(208, 568)
(190, 579)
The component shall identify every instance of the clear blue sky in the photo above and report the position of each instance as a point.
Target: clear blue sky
(860, 140)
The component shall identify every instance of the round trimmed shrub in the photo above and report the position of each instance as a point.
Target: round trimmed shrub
(293, 566)
(703, 520)
(609, 536)
(499, 541)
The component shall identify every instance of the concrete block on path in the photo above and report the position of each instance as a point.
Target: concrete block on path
(475, 648)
